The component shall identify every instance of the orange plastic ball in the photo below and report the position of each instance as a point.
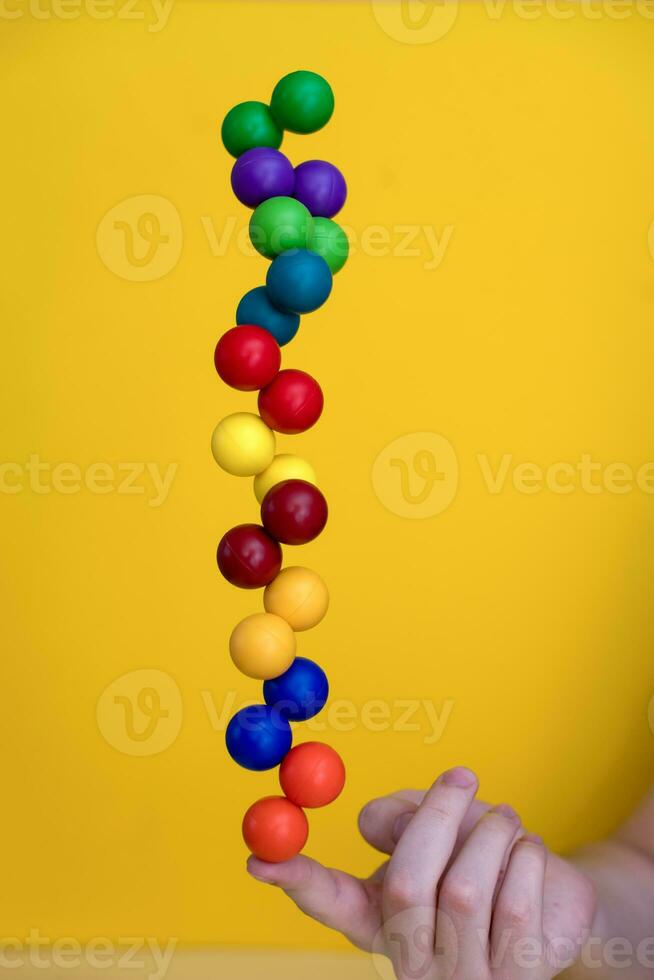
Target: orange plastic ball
(275, 829)
(299, 596)
(312, 774)
(262, 646)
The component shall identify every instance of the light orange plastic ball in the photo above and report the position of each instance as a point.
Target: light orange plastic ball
(299, 596)
(262, 646)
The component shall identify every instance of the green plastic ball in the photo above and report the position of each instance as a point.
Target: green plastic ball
(280, 223)
(247, 125)
(302, 102)
(330, 241)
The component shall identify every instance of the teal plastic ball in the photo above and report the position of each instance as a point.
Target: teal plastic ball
(299, 281)
(256, 308)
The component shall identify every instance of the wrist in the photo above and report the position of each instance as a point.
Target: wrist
(623, 879)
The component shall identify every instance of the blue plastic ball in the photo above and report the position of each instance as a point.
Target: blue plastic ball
(258, 737)
(299, 693)
(257, 309)
(299, 281)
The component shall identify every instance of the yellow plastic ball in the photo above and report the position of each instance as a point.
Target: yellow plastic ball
(243, 444)
(285, 466)
(299, 596)
(262, 646)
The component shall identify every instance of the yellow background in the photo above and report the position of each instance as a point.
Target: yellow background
(532, 139)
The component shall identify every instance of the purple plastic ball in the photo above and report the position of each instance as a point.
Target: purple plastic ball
(261, 173)
(321, 187)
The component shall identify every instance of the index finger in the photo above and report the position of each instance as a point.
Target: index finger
(383, 821)
(418, 862)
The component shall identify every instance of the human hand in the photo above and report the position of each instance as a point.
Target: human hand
(466, 894)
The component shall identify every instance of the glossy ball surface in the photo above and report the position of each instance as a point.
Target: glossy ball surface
(262, 646)
(247, 358)
(302, 102)
(278, 224)
(242, 444)
(294, 512)
(330, 241)
(292, 402)
(247, 125)
(248, 557)
(257, 307)
(285, 466)
(299, 281)
(299, 596)
(258, 737)
(312, 774)
(300, 693)
(321, 187)
(275, 830)
(261, 173)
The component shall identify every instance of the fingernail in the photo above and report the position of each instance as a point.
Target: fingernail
(507, 812)
(400, 826)
(533, 839)
(265, 881)
(258, 877)
(459, 776)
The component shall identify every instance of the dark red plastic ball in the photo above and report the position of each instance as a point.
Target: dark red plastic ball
(248, 557)
(312, 774)
(294, 512)
(275, 829)
(292, 402)
(247, 357)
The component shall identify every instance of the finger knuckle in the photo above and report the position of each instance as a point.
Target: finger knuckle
(461, 894)
(402, 892)
(439, 812)
(517, 913)
(368, 815)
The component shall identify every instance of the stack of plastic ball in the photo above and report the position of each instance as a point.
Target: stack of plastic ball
(292, 227)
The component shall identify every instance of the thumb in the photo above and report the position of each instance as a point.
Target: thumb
(334, 898)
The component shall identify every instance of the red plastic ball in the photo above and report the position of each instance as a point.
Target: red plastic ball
(312, 774)
(291, 403)
(294, 512)
(247, 357)
(248, 556)
(275, 829)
